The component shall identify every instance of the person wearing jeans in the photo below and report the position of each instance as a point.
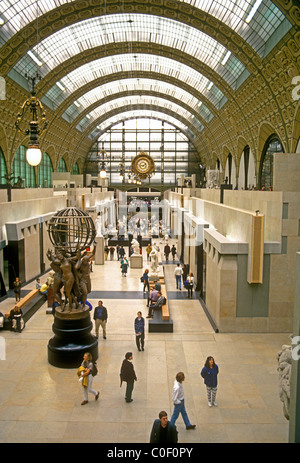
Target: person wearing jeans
(178, 274)
(178, 400)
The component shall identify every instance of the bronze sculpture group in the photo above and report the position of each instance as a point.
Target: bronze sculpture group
(72, 275)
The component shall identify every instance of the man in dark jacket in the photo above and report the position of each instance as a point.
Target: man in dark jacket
(167, 250)
(139, 327)
(128, 375)
(163, 432)
(100, 317)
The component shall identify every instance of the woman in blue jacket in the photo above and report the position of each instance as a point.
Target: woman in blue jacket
(209, 373)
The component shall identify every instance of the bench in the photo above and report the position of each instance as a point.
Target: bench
(29, 304)
(161, 322)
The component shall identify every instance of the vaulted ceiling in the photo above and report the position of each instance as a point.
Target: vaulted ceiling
(188, 60)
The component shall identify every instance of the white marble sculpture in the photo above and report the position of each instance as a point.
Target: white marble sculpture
(98, 226)
(213, 177)
(135, 246)
(284, 358)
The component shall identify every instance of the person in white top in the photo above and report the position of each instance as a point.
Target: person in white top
(178, 400)
(178, 272)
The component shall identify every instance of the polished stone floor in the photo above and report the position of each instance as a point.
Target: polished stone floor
(42, 404)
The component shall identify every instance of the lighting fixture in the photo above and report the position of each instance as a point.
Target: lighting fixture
(253, 10)
(35, 58)
(102, 159)
(226, 58)
(37, 124)
(60, 86)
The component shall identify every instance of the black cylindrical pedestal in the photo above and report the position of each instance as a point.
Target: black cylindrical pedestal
(72, 339)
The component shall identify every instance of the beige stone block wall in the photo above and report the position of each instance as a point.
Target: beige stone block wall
(281, 292)
(31, 252)
(25, 194)
(227, 268)
(286, 172)
(21, 210)
(213, 278)
(269, 203)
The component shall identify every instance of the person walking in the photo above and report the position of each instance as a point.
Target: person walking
(127, 375)
(190, 284)
(111, 252)
(185, 272)
(178, 275)
(173, 251)
(167, 250)
(210, 373)
(124, 266)
(178, 400)
(86, 377)
(148, 251)
(139, 327)
(145, 279)
(163, 431)
(122, 252)
(100, 317)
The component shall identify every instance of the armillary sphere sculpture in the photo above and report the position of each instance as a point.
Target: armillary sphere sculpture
(71, 231)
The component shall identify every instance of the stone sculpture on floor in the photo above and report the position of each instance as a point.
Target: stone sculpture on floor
(135, 246)
(72, 274)
(284, 358)
(72, 233)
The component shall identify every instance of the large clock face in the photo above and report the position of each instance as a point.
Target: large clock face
(143, 165)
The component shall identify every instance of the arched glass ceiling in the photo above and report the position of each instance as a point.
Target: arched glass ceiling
(138, 100)
(138, 113)
(131, 63)
(126, 28)
(254, 20)
(129, 85)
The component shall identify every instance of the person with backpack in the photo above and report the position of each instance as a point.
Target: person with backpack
(86, 371)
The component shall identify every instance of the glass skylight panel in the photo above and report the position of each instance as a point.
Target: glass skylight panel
(17, 14)
(137, 100)
(129, 85)
(128, 63)
(94, 32)
(136, 114)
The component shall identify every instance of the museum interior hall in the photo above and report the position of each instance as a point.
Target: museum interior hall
(149, 159)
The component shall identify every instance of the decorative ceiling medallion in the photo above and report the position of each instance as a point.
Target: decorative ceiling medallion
(143, 165)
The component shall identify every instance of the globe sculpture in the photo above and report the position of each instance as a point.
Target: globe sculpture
(71, 231)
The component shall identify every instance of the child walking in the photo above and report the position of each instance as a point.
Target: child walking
(209, 373)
